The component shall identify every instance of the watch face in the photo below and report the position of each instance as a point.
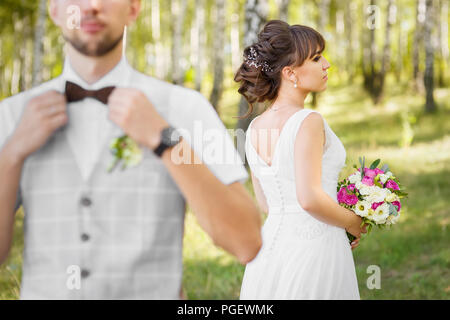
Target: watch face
(170, 136)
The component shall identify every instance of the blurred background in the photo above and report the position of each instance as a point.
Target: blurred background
(388, 97)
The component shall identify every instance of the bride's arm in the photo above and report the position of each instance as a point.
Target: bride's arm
(308, 170)
(260, 197)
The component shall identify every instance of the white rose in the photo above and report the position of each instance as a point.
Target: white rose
(383, 178)
(354, 178)
(391, 197)
(364, 190)
(376, 194)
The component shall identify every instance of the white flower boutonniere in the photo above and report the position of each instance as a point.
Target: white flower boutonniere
(127, 150)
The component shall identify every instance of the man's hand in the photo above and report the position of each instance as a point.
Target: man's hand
(135, 114)
(42, 116)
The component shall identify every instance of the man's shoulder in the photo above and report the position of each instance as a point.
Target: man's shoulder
(24, 96)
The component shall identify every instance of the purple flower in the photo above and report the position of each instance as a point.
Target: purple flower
(370, 172)
(351, 199)
(341, 195)
(397, 204)
(391, 184)
(368, 181)
(375, 205)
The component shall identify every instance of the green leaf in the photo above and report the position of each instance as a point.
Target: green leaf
(392, 209)
(375, 164)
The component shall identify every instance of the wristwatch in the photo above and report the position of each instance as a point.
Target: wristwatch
(169, 138)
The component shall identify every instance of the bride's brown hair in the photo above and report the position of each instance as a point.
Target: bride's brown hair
(279, 45)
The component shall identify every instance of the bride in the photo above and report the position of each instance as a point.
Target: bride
(295, 159)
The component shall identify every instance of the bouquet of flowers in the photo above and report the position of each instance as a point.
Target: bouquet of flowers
(373, 194)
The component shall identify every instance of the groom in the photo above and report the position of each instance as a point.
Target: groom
(90, 234)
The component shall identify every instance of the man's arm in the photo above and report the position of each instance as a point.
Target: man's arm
(42, 116)
(226, 212)
(10, 171)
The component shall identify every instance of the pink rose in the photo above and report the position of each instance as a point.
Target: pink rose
(341, 195)
(370, 173)
(397, 204)
(378, 171)
(351, 199)
(391, 184)
(368, 181)
(375, 205)
(351, 187)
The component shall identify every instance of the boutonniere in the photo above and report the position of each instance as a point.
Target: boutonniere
(126, 150)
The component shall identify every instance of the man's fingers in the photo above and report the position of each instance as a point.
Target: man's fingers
(58, 121)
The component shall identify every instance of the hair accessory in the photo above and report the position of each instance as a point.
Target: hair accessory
(252, 60)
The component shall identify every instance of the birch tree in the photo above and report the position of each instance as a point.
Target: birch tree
(219, 55)
(255, 17)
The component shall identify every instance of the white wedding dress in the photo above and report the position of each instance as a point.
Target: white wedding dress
(301, 257)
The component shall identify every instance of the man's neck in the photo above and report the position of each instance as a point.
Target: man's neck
(92, 69)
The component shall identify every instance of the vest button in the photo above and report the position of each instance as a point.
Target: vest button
(85, 273)
(85, 237)
(86, 202)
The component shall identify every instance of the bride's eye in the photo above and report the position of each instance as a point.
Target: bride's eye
(317, 58)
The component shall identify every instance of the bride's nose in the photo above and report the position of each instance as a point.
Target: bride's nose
(326, 64)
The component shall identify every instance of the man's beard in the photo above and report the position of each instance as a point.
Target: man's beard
(105, 45)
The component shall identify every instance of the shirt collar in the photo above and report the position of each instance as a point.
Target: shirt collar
(118, 76)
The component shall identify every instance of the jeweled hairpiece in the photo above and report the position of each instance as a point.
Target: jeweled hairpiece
(252, 60)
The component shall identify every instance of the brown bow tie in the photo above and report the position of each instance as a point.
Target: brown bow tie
(76, 93)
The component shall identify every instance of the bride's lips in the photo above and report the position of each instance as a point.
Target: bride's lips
(325, 77)
(92, 26)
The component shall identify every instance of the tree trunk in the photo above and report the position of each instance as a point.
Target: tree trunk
(160, 70)
(430, 105)
(219, 44)
(400, 43)
(39, 33)
(417, 44)
(199, 42)
(322, 21)
(348, 26)
(439, 51)
(283, 9)
(234, 39)
(255, 17)
(178, 13)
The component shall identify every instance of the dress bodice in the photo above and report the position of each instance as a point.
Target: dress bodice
(278, 180)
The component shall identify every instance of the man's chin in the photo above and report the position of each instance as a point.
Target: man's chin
(92, 47)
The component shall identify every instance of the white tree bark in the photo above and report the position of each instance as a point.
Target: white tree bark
(198, 42)
(39, 33)
(160, 70)
(255, 17)
(283, 9)
(429, 57)
(219, 55)
(178, 14)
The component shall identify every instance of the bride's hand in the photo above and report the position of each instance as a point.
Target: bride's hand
(355, 243)
(354, 226)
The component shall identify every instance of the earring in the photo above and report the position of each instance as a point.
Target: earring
(295, 84)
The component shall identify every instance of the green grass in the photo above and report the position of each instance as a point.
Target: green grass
(414, 256)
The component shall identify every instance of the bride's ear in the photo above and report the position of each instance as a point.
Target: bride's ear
(287, 73)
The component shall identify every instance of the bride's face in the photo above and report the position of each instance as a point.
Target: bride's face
(93, 28)
(312, 75)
